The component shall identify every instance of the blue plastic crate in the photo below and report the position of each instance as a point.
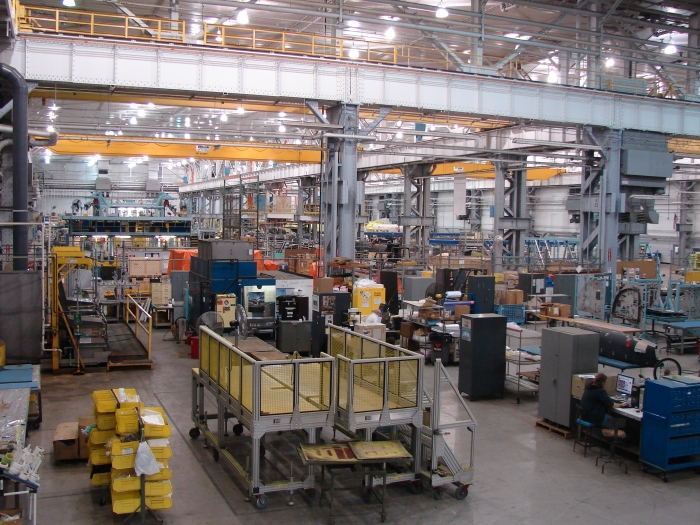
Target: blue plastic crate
(515, 313)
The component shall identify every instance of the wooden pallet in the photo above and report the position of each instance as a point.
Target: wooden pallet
(555, 428)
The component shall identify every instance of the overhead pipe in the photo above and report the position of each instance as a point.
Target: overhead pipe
(20, 165)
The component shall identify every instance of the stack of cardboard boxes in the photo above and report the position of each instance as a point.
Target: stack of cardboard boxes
(508, 296)
(555, 310)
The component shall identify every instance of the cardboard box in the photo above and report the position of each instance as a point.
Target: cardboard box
(429, 313)
(65, 441)
(407, 330)
(461, 309)
(579, 382)
(373, 330)
(324, 284)
(559, 310)
(84, 445)
(515, 297)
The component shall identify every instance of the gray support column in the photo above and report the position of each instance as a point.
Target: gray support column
(591, 61)
(684, 226)
(407, 204)
(416, 219)
(499, 202)
(459, 206)
(340, 185)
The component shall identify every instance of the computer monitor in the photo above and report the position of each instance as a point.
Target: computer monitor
(625, 384)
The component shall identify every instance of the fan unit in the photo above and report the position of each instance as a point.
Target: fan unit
(211, 320)
(242, 319)
(436, 292)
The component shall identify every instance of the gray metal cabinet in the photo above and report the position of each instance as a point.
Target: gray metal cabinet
(565, 352)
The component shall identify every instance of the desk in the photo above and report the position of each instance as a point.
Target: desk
(631, 413)
(340, 460)
(598, 325)
(683, 327)
(162, 316)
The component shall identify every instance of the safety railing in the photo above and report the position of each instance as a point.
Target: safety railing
(138, 314)
(378, 383)
(267, 388)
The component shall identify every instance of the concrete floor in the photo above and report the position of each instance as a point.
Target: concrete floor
(523, 475)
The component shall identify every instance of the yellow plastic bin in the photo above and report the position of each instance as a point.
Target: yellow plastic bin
(107, 400)
(128, 423)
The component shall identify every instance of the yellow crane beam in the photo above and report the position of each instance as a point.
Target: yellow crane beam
(163, 149)
(482, 171)
(679, 145)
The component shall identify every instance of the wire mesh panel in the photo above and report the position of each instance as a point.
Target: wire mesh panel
(368, 386)
(204, 352)
(403, 384)
(343, 376)
(370, 349)
(337, 346)
(235, 376)
(276, 389)
(247, 385)
(224, 357)
(314, 386)
(353, 346)
(213, 359)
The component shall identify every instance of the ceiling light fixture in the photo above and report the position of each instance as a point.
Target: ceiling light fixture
(399, 135)
(223, 117)
(133, 121)
(119, 132)
(282, 114)
(670, 50)
(187, 136)
(150, 105)
(191, 159)
(552, 77)
(145, 158)
(609, 62)
(216, 137)
(187, 122)
(69, 3)
(93, 160)
(353, 23)
(441, 12)
(282, 128)
(240, 110)
(242, 17)
(50, 129)
(389, 34)
(354, 54)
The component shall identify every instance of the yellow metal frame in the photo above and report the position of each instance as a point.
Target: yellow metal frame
(64, 259)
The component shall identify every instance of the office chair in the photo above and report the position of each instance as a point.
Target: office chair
(612, 456)
(586, 434)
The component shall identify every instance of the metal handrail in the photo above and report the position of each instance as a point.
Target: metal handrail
(137, 322)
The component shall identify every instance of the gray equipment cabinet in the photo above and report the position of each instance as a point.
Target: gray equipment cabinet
(565, 352)
(482, 355)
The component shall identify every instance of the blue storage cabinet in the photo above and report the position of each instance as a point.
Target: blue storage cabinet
(671, 426)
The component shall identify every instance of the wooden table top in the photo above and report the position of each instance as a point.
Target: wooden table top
(593, 323)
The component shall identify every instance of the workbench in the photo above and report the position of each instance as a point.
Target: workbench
(683, 327)
(260, 350)
(597, 325)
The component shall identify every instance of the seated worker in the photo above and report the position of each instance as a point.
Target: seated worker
(375, 317)
(595, 403)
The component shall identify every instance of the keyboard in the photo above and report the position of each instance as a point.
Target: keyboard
(619, 399)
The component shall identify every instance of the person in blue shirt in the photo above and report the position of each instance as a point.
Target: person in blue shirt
(595, 404)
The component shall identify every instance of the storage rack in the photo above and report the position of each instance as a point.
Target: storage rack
(264, 396)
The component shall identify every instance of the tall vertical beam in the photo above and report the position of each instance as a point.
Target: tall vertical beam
(416, 218)
(340, 184)
(693, 43)
(512, 222)
(683, 225)
(499, 202)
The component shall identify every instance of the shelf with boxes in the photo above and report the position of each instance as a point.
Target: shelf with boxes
(122, 423)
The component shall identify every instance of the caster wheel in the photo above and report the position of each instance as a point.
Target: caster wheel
(665, 478)
(215, 454)
(437, 493)
(261, 501)
(310, 495)
(262, 451)
(645, 469)
(103, 501)
(462, 492)
(194, 433)
(416, 487)
(238, 429)
(383, 518)
(36, 425)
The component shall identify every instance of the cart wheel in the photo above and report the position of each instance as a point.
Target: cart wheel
(194, 433)
(238, 429)
(665, 478)
(103, 501)
(416, 487)
(462, 492)
(261, 501)
(667, 367)
(310, 495)
(215, 454)
(262, 451)
(437, 492)
(36, 425)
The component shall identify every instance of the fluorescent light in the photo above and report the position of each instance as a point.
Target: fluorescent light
(133, 105)
(270, 163)
(282, 128)
(187, 136)
(242, 17)
(399, 135)
(353, 23)
(223, 117)
(50, 129)
(47, 159)
(218, 38)
(250, 139)
(119, 132)
(389, 34)
(512, 35)
(93, 160)
(69, 3)
(139, 161)
(133, 121)
(552, 77)
(191, 159)
(145, 158)
(282, 114)
(187, 122)
(354, 54)
(441, 12)
(670, 50)
(150, 105)
(216, 137)
(240, 110)
(609, 62)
